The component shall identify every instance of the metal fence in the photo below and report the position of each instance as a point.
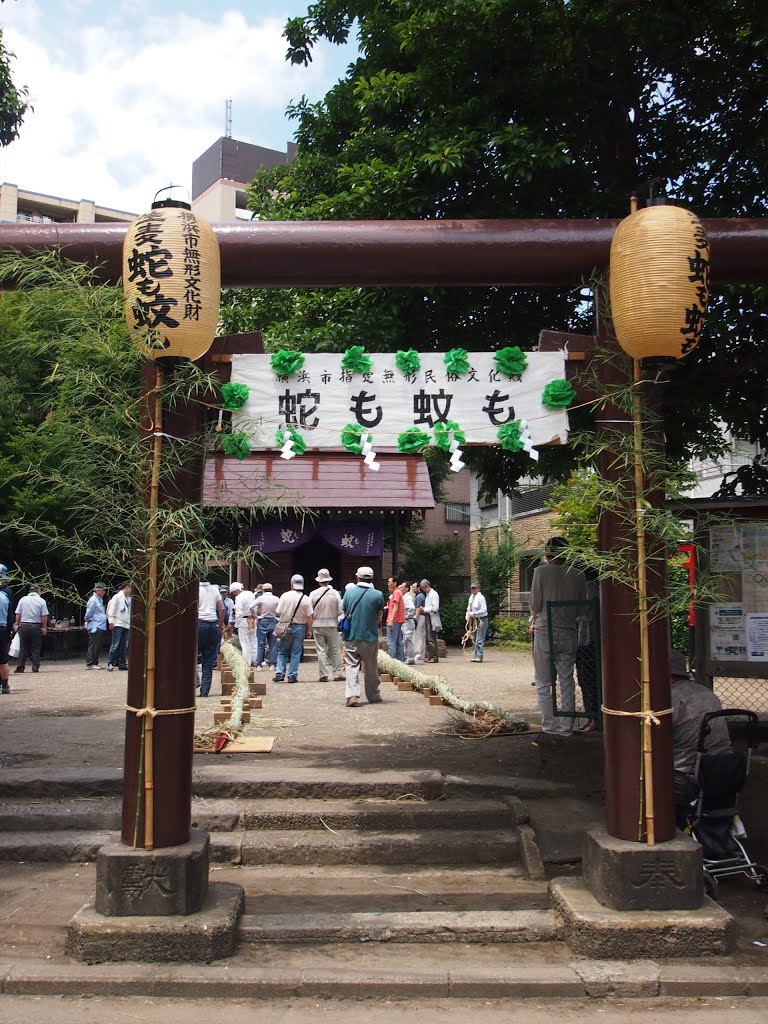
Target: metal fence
(573, 636)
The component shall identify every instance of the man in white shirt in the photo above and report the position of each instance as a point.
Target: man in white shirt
(119, 619)
(409, 626)
(294, 611)
(326, 612)
(431, 621)
(265, 611)
(477, 620)
(210, 624)
(32, 626)
(245, 624)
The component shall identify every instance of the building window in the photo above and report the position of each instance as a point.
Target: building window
(457, 512)
(529, 502)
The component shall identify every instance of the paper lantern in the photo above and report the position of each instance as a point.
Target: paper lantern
(659, 282)
(172, 282)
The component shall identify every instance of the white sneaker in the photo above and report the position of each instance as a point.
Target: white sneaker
(259, 668)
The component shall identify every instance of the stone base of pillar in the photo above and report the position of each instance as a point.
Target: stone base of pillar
(602, 933)
(633, 876)
(209, 934)
(152, 883)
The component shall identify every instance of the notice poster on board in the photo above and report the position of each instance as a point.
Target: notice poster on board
(728, 632)
(757, 637)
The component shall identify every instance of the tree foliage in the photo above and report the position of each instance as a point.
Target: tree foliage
(75, 470)
(495, 561)
(498, 108)
(13, 99)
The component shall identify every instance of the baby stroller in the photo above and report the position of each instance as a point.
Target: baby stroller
(713, 820)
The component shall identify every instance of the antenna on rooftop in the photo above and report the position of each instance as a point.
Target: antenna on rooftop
(228, 119)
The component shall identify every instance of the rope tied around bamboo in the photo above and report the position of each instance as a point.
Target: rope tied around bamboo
(652, 717)
(150, 712)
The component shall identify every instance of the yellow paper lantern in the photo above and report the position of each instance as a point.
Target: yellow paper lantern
(659, 282)
(172, 282)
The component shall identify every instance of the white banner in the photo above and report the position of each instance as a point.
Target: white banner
(321, 399)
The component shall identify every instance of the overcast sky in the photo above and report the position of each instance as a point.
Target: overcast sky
(127, 93)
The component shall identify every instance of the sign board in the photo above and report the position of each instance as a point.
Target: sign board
(738, 628)
(320, 399)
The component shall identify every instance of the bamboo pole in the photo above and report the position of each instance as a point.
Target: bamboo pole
(149, 722)
(642, 592)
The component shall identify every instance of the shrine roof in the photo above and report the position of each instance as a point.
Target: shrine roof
(318, 481)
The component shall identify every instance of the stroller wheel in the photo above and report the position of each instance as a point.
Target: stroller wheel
(710, 886)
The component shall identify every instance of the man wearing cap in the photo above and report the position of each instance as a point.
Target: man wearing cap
(431, 615)
(32, 626)
(229, 605)
(364, 606)
(119, 619)
(477, 620)
(294, 610)
(326, 611)
(690, 702)
(245, 624)
(265, 610)
(6, 627)
(96, 623)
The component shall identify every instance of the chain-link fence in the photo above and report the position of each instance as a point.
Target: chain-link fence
(735, 692)
(573, 642)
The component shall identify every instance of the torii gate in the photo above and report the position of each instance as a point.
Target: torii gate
(430, 253)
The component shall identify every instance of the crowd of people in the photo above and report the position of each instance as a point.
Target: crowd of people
(271, 630)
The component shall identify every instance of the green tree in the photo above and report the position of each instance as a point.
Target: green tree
(13, 100)
(495, 561)
(436, 561)
(499, 108)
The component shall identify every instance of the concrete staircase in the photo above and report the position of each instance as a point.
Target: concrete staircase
(325, 856)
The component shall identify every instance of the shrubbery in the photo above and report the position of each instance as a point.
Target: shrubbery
(506, 630)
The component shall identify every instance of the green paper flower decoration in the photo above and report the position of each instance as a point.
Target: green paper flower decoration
(299, 444)
(285, 362)
(558, 394)
(408, 362)
(350, 438)
(356, 361)
(510, 436)
(234, 396)
(511, 361)
(456, 361)
(413, 440)
(442, 439)
(236, 444)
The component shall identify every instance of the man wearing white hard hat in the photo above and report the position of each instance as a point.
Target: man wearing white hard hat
(245, 624)
(364, 607)
(326, 612)
(294, 622)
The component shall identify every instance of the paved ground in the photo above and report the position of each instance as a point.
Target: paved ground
(76, 717)
(55, 1010)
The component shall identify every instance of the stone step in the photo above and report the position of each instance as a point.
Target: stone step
(287, 847)
(369, 888)
(256, 779)
(104, 813)
(481, 926)
(313, 847)
(376, 815)
(261, 780)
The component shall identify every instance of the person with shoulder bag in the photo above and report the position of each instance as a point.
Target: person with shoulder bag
(294, 622)
(326, 609)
